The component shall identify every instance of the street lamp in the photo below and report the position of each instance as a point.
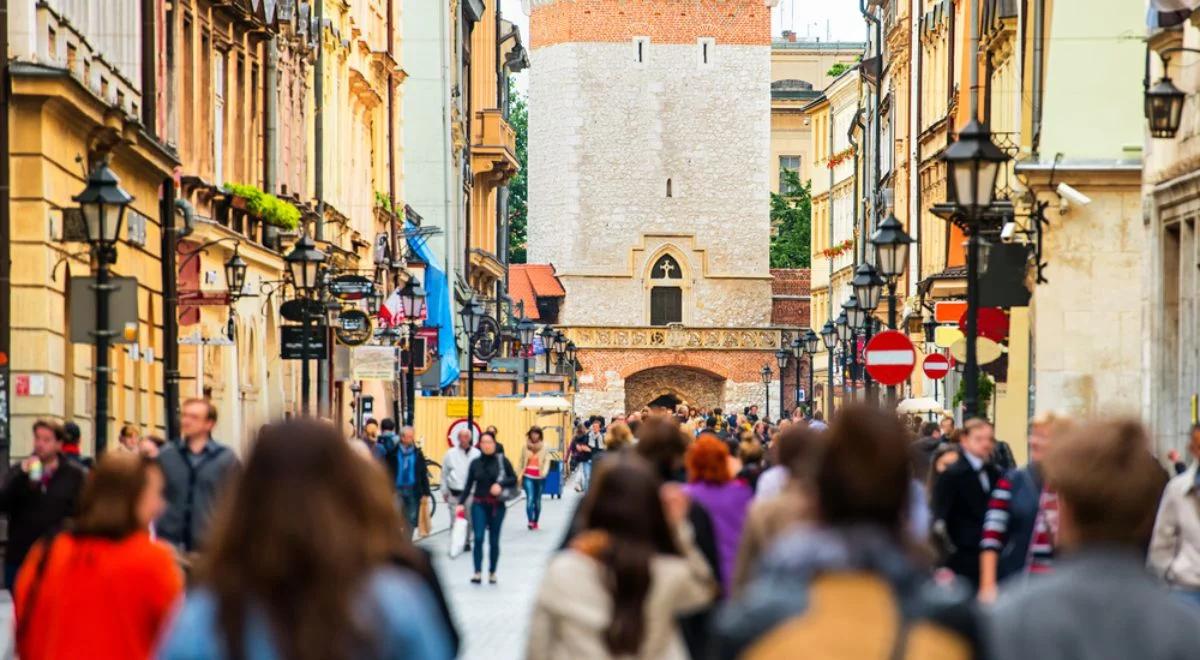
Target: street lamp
(829, 337)
(103, 203)
(560, 347)
(235, 275)
(891, 253)
(812, 344)
(781, 357)
(974, 163)
(303, 263)
(868, 286)
(855, 314)
(1164, 107)
(547, 335)
(766, 379)
(572, 352)
(525, 332)
(412, 300)
(843, 327)
(473, 312)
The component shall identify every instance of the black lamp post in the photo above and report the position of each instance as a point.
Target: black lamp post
(829, 338)
(560, 348)
(473, 312)
(856, 318)
(766, 380)
(412, 299)
(797, 353)
(868, 288)
(781, 357)
(1164, 101)
(812, 344)
(103, 203)
(304, 262)
(572, 352)
(974, 164)
(235, 275)
(845, 333)
(525, 332)
(891, 253)
(547, 335)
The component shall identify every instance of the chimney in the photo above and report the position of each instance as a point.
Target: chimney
(789, 36)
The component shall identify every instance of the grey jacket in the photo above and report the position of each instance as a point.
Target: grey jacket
(192, 490)
(1098, 604)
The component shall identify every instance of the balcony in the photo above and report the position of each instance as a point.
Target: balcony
(493, 145)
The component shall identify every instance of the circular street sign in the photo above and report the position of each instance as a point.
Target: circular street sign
(354, 327)
(890, 357)
(458, 425)
(986, 350)
(293, 310)
(992, 322)
(936, 366)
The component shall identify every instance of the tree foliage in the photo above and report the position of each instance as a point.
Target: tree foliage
(791, 219)
(518, 188)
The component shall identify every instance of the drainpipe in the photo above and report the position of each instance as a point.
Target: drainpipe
(914, 143)
(169, 206)
(319, 186)
(394, 230)
(271, 115)
(875, 20)
(149, 72)
(5, 247)
(1039, 36)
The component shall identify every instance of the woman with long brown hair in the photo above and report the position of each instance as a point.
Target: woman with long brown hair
(629, 572)
(303, 562)
(103, 588)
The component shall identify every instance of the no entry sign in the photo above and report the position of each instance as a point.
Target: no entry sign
(890, 357)
(936, 366)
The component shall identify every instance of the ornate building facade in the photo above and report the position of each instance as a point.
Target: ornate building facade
(662, 248)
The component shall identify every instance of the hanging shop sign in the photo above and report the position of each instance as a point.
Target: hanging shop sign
(351, 287)
(354, 327)
(373, 363)
(293, 310)
(297, 346)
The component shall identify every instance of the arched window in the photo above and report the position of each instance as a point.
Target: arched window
(666, 292)
(666, 268)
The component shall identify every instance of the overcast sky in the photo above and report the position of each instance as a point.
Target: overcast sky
(838, 19)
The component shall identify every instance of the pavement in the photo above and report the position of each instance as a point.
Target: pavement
(494, 619)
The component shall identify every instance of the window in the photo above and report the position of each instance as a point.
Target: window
(666, 268)
(641, 47)
(788, 164)
(666, 305)
(706, 51)
(669, 191)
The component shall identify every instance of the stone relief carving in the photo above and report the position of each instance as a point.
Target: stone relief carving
(677, 337)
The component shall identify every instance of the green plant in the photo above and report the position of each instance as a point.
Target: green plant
(986, 388)
(791, 220)
(271, 209)
(383, 201)
(518, 186)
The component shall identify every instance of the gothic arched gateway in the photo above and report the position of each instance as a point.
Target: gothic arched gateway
(658, 385)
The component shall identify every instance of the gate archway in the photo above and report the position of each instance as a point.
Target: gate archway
(660, 385)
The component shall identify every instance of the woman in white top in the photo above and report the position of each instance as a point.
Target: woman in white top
(630, 571)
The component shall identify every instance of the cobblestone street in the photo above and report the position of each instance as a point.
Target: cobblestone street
(493, 619)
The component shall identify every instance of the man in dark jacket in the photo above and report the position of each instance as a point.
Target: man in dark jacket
(71, 447)
(960, 499)
(197, 469)
(40, 493)
(406, 463)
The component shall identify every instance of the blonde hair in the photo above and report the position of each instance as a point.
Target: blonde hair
(619, 436)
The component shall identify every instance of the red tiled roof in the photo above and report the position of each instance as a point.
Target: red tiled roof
(528, 282)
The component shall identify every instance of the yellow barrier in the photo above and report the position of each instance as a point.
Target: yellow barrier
(435, 415)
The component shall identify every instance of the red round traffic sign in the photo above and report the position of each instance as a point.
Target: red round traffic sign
(992, 323)
(936, 366)
(890, 357)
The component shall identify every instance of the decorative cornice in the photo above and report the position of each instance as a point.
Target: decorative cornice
(675, 337)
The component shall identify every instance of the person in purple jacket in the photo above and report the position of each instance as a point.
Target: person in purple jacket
(712, 485)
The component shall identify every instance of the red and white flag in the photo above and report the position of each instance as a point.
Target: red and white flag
(391, 312)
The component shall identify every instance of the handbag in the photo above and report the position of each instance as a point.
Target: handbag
(458, 533)
(507, 493)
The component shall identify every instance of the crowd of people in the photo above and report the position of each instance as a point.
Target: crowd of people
(698, 534)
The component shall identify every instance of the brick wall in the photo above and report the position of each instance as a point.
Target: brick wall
(789, 297)
(745, 22)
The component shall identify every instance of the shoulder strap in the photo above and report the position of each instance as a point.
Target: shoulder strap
(900, 644)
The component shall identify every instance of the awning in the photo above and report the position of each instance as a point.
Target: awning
(545, 404)
(920, 406)
(1169, 13)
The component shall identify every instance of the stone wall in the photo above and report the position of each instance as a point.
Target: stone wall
(670, 21)
(695, 388)
(606, 135)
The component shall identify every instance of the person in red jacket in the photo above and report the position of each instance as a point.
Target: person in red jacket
(103, 579)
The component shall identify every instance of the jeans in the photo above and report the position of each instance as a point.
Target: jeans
(486, 518)
(10, 576)
(586, 474)
(1187, 596)
(533, 497)
(410, 502)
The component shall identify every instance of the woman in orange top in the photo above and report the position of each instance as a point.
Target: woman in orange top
(104, 589)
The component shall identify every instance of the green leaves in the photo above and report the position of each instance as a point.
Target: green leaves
(518, 186)
(791, 223)
(271, 209)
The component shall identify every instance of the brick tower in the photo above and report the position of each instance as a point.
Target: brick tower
(649, 192)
